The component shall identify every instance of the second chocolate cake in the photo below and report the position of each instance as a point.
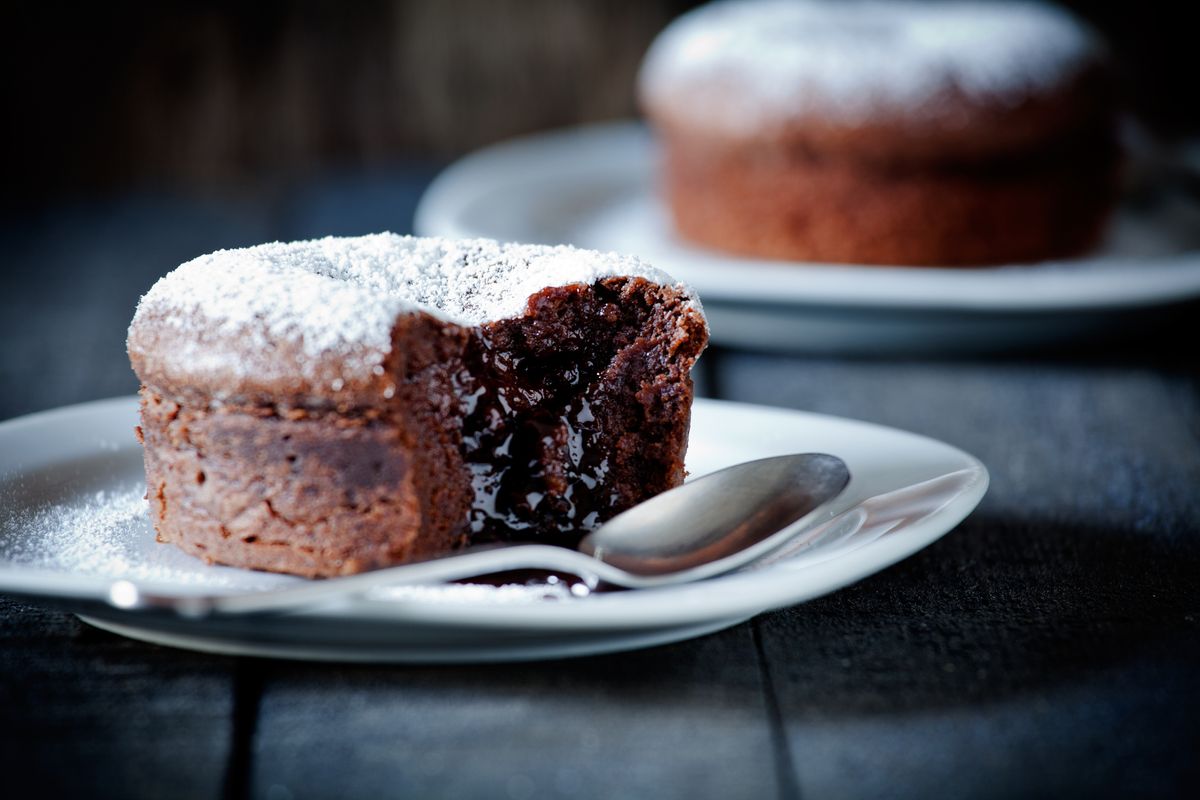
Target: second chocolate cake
(893, 133)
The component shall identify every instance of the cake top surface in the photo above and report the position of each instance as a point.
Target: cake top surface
(741, 62)
(337, 299)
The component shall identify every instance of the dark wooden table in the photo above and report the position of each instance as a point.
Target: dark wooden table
(1050, 646)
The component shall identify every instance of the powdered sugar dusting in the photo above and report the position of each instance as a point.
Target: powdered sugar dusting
(483, 593)
(732, 64)
(342, 296)
(108, 534)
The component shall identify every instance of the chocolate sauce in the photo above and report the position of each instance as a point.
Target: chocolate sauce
(568, 414)
(532, 432)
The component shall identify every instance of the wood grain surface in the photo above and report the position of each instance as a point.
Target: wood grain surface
(1048, 647)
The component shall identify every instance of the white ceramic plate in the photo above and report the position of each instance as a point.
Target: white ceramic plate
(73, 521)
(594, 187)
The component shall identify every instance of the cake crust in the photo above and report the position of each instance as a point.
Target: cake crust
(790, 205)
(305, 494)
(535, 425)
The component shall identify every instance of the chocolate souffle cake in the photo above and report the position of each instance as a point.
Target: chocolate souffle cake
(953, 133)
(327, 407)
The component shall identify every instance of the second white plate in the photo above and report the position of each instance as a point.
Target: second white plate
(594, 187)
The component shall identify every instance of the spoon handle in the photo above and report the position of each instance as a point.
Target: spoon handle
(706, 527)
(471, 563)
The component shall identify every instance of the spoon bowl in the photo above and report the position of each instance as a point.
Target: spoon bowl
(721, 521)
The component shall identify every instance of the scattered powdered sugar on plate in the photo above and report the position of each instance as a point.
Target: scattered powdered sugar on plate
(108, 534)
(552, 588)
(87, 536)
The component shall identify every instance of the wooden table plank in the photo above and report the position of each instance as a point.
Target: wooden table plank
(87, 714)
(685, 720)
(1051, 642)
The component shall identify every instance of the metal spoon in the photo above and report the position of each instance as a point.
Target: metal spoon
(709, 526)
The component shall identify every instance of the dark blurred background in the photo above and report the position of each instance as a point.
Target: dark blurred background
(140, 135)
(208, 96)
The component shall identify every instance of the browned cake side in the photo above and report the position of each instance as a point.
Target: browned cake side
(770, 200)
(311, 494)
(533, 428)
(315, 490)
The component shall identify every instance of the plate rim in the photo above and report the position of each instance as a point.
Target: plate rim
(481, 172)
(398, 652)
